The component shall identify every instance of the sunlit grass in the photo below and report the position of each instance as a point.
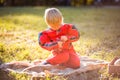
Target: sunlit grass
(19, 22)
(19, 28)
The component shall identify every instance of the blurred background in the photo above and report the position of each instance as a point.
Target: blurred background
(57, 2)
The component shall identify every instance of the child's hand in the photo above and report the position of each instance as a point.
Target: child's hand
(60, 43)
(64, 38)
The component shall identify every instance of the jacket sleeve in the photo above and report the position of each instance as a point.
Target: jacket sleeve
(73, 33)
(46, 43)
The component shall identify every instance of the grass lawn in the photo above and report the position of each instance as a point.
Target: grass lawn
(19, 28)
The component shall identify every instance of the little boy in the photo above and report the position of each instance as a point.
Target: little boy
(58, 39)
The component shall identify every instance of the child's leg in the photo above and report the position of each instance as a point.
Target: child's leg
(74, 61)
(60, 58)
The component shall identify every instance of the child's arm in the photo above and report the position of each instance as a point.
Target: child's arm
(73, 33)
(45, 42)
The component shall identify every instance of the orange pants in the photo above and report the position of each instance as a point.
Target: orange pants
(67, 58)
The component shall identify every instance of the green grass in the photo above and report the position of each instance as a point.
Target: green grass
(19, 28)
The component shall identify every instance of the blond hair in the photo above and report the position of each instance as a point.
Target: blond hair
(53, 17)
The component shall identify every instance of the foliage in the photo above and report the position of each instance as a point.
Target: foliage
(46, 2)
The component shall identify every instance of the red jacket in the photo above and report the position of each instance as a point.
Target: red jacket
(48, 40)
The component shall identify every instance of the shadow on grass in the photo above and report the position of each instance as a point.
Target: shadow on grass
(5, 75)
(22, 10)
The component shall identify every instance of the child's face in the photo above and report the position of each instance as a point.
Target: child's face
(55, 27)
